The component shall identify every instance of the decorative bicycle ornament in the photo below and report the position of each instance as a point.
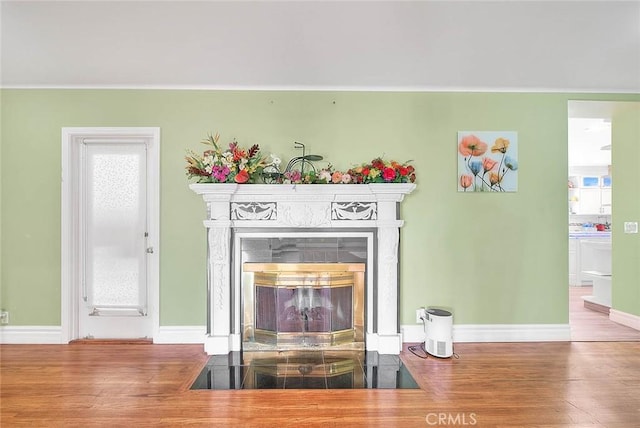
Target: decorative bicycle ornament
(298, 166)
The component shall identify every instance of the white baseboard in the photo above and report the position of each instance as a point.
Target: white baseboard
(410, 333)
(496, 333)
(47, 335)
(31, 335)
(624, 318)
(181, 334)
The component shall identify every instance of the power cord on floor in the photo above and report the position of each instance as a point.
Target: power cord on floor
(413, 350)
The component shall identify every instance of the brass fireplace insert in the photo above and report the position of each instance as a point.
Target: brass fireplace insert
(303, 304)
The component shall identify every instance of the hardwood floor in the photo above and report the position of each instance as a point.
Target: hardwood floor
(589, 325)
(554, 384)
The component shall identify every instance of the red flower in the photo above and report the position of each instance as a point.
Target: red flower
(388, 174)
(365, 171)
(242, 177)
(403, 170)
(378, 164)
(238, 154)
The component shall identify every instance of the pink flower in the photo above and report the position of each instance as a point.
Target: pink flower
(294, 176)
(346, 178)
(471, 145)
(466, 181)
(336, 177)
(388, 174)
(488, 164)
(325, 175)
(220, 173)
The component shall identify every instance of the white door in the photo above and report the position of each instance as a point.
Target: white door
(114, 259)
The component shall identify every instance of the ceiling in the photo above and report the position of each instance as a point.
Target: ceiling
(589, 130)
(587, 137)
(359, 45)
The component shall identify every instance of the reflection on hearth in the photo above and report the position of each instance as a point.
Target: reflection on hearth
(316, 369)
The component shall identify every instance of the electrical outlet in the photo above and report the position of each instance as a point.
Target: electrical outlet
(421, 315)
(4, 317)
(630, 227)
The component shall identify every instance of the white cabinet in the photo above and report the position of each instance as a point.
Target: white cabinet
(590, 201)
(587, 198)
(588, 253)
(605, 199)
(574, 262)
(596, 267)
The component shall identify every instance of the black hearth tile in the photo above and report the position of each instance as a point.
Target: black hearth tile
(220, 360)
(263, 381)
(371, 358)
(405, 380)
(376, 359)
(302, 368)
(358, 356)
(219, 378)
(306, 369)
(264, 358)
(388, 360)
(344, 381)
(305, 382)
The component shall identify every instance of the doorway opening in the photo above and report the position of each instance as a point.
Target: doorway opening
(590, 221)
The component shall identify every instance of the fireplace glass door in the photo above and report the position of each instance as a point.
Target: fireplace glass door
(304, 304)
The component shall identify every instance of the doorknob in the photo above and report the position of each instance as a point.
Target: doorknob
(150, 250)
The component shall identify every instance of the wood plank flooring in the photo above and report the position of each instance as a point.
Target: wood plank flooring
(589, 325)
(561, 384)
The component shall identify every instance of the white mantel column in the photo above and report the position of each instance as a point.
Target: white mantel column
(389, 338)
(219, 338)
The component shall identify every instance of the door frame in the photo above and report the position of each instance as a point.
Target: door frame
(72, 138)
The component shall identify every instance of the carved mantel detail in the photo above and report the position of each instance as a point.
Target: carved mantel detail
(354, 211)
(254, 211)
(330, 207)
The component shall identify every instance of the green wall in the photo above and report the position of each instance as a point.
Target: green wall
(491, 258)
(625, 134)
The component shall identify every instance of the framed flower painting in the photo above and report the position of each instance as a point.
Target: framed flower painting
(487, 161)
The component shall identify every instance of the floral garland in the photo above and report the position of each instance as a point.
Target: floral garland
(233, 165)
(237, 165)
(377, 171)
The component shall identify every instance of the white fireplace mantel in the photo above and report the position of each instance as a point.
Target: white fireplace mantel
(302, 207)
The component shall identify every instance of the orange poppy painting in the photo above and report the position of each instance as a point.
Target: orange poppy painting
(487, 161)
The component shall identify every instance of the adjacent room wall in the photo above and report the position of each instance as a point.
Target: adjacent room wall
(491, 258)
(625, 154)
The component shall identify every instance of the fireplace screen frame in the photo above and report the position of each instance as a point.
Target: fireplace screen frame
(369, 300)
(301, 282)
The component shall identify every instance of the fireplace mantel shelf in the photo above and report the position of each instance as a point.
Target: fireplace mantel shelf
(330, 208)
(302, 190)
